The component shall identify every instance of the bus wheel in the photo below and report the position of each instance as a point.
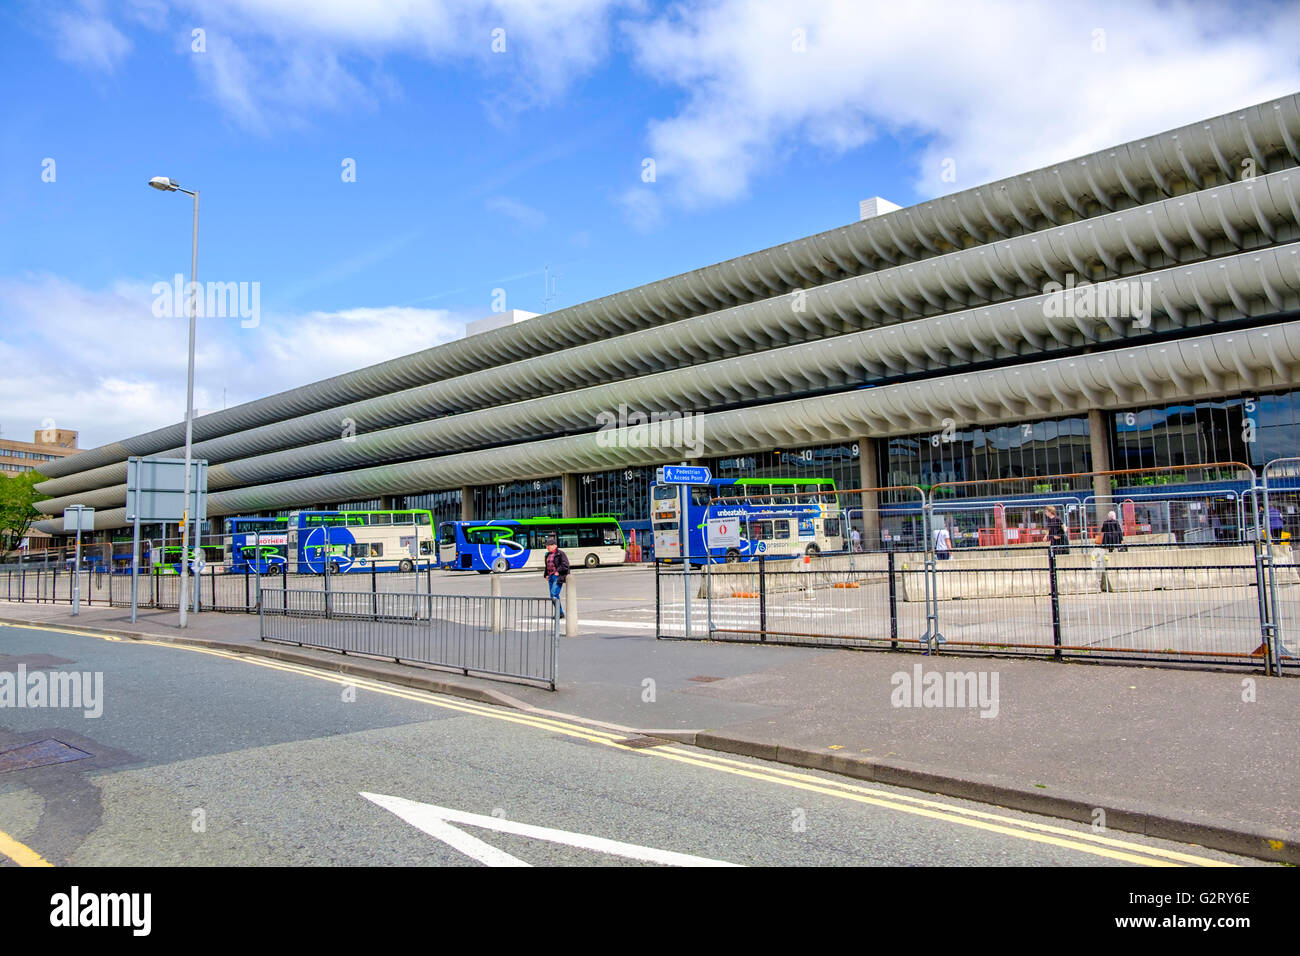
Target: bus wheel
(406, 565)
(733, 556)
(500, 566)
(273, 569)
(591, 561)
(483, 570)
(812, 550)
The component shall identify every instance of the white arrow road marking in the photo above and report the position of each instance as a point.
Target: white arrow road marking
(436, 821)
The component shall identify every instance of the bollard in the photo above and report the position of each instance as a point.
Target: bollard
(570, 607)
(496, 604)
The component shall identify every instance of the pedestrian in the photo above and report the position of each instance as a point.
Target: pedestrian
(556, 570)
(1112, 535)
(942, 543)
(1274, 522)
(1055, 531)
(856, 538)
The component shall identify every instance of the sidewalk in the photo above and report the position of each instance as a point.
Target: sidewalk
(1172, 753)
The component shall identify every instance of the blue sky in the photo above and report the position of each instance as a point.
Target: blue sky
(476, 168)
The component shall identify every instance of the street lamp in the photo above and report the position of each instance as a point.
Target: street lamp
(166, 185)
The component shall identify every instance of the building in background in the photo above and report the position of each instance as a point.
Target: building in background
(20, 457)
(49, 444)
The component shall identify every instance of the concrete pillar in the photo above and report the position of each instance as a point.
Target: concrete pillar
(496, 604)
(869, 477)
(570, 603)
(568, 495)
(1099, 445)
(467, 503)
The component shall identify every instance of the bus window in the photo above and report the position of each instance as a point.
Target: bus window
(612, 537)
(831, 527)
(782, 528)
(665, 492)
(424, 518)
(701, 495)
(447, 534)
(380, 519)
(357, 521)
(567, 538)
(730, 491)
(426, 547)
(589, 536)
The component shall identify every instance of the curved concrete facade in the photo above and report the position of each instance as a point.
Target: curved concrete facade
(1186, 229)
(923, 303)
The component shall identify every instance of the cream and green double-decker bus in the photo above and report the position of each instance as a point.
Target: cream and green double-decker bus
(359, 541)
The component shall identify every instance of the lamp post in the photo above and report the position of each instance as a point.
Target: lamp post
(166, 185)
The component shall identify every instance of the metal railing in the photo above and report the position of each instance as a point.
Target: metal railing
(1150, 602)
(511, 637)
(1192, 592)
(220, 588)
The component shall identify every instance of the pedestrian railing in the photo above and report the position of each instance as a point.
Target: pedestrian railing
(510, 637)
(219, 587)
(1178, 602)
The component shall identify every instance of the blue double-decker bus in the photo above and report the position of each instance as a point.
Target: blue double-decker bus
(777, 517)
(359, 541)
(509, 544)
(256, 545)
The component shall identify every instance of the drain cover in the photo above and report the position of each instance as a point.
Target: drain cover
(40, 754)
(641, 743)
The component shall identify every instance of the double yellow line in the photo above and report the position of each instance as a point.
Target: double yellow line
(1065, 838)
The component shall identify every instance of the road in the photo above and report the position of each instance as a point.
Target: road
(204, 757)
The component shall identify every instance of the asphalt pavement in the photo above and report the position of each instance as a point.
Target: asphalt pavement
(195, 756)
(1198, 756)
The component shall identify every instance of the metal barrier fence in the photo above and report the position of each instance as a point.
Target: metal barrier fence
(1199, 603)
(1202, 571)
(512, 637)
(220, 589)
(1280, 507)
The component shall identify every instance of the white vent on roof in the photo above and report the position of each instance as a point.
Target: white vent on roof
(498, 320)
(875, 206)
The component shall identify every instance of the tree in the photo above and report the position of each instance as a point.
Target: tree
(17, 496)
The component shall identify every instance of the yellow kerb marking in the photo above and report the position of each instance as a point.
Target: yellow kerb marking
(20, 853)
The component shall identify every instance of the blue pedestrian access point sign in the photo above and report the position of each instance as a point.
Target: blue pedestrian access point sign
(683, 475)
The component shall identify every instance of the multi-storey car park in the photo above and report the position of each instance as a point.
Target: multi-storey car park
(844, 354)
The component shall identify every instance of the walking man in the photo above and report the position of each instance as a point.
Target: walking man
(942, 543)
(556, 570)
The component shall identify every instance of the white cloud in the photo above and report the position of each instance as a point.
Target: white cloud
(99, 361)
(642, 206)
(87, 38)
(275, 61)
(998, 87)
(525, 215)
